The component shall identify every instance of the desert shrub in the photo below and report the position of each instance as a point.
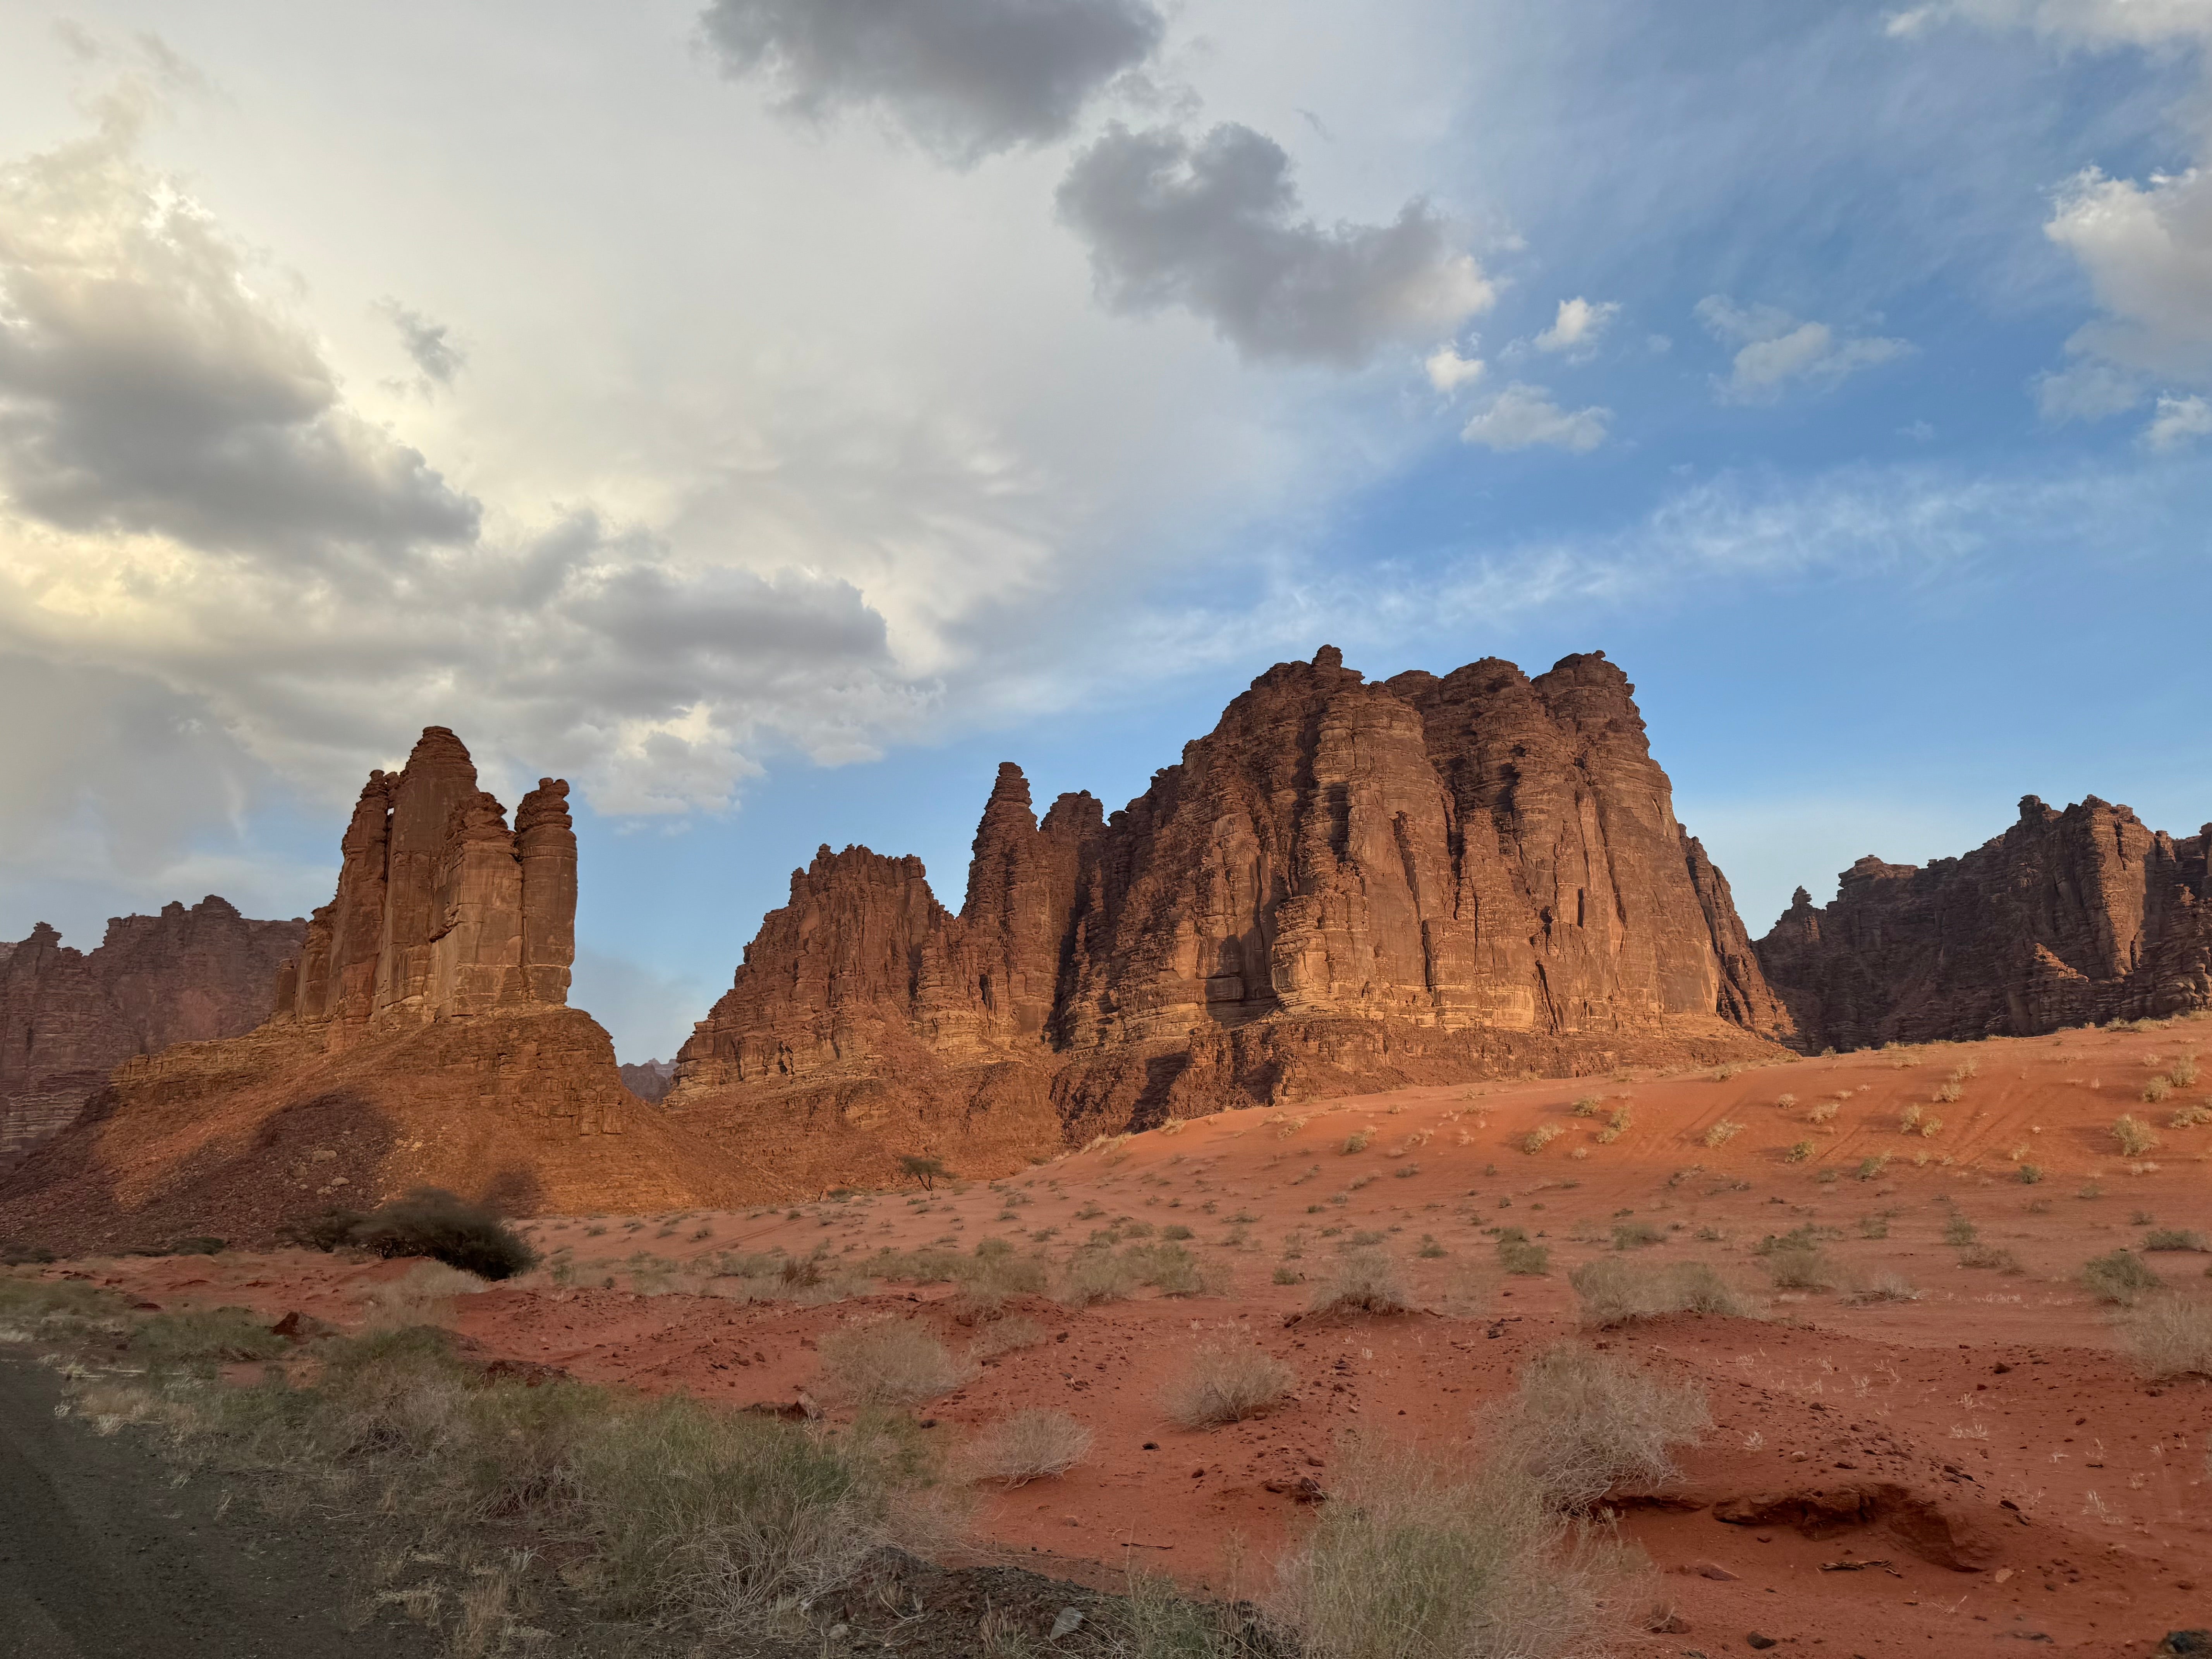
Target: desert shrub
(1806, 1237)
(1786, 1103)
(1823, 1113)
(432, 1222)
(992, 1277)
(1874, 1226)
(1883, 1287)
(1005, 1336)
(1870, 1168)
(1518, 1256)
(14, 1253)
(2170, 1336)
(889, 1362)
(1958, 1230)
(1583, 1422)
(1289, 1275)
(2174, 1239)
(1615, 1127)
(1175, 1234)
(1230, 1378)
(1430, 1251)
(1364, 1281)
(1990, 1255)
(2191, 1117)
(1613, 1293)
(1417, 1557)
(1800, 1151)
(2120, 1277)
(2133, 1135)
(423, 1295)
(1541, 1136)
(196, 1245)
(1798, 1269)
(1356, 1141)
(1949, 1091)
(1094, 1275)
(1636, 1235)
(1029, 1445)
(1588, 1106)
(1722, 1132)
(2029, 1174)
(326, 1230)
(2183, 1072)
(204, 1336)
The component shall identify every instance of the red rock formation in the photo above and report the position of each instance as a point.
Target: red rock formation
(439, 909)
(68, 1019)
(419, 1037)
(2066, 918)
(649, 1080)
(1343, 884)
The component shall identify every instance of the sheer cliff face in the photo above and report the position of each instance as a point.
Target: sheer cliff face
(1480, 853)
(441, 909)
(69, 1018)
(2066, 918)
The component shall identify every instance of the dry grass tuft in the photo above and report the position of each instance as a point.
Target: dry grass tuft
(1796, 1268)
(1583, 1423)
(1364, 1281)
(1883, 1287)
(2120, 1277)
(1005, 1335)
(1229, 1379)
(1031, 1445)
(890, 1362)
(2171, 1336)
(423, 1295)
(1614, 1291)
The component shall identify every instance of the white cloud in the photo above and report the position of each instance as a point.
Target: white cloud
(2178, 420)
(2089, 22)
(1212, 226)
(1448, 371)
(1522, 416)
(966, 78)
(2146, 250)
(1774, 350)
(436, 356)
(1577, 328)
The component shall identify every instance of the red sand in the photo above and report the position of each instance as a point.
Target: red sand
(2078, 1492)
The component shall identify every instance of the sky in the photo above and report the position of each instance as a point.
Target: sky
(770, 415)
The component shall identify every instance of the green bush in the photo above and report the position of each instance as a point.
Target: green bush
(432, 1222)
(2120, 1277)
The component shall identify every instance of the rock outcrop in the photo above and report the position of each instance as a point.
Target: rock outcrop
(2066, 918)
(1343, 886)
(420, 1036)
(69, 1018)
(649, 1080)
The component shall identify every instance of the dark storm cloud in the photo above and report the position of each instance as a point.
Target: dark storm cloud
(966, 78)
(1214, 226)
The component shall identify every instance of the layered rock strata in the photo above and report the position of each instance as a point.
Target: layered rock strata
(69, 1018)
(1343, 886)
(420, 1036)
(2066, 918)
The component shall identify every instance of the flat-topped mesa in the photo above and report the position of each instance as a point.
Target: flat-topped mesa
(440, 909)
(2064, 919)
(1337, 868)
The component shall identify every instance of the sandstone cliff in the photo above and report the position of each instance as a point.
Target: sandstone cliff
(419, 1036)
(649, 1080)
(2065, 919)
(1342, 885)
(69, 1018)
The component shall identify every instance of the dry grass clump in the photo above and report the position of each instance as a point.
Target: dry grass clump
(1541, 1136)
(2120, 1277)
(1519, 1256)
(1364, 1281)
(33, 1308)
(423, 1295)
(2170, 1336)
(1099, 1274)
(1416, 1555)
(2133, 1135)
(205, 1337)
(1005, 1335)
(1993, 1256)
(1582, 1423)
(1029, 1445)
(890, 1362)
(2175, 1238)
(1722, 1132)
(1883, 1287)
(1230, 1378)
(1799, 1268)
(1614, 1291)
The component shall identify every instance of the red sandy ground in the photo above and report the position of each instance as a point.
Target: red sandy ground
(2079, 1491)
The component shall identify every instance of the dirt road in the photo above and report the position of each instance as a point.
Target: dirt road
(101, 1556)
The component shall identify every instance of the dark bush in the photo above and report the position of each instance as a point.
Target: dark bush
(326, 1231)
(199, 1244)
(14, 1254)
(446, 1227)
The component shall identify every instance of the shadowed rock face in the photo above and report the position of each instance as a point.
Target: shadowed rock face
(2065, 919)
(1485, 864)
(69, 1018)
(441, 909)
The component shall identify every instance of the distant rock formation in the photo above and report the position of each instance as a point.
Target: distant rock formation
(1343, 886)
(69, 1018)
(419, 1037)
(650, 1080)
(2066, 918)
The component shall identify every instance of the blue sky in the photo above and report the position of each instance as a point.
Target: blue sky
(772, 416)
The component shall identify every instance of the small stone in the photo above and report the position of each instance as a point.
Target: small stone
(1755, 1640)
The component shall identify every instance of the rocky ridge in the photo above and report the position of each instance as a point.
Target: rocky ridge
(420, 1036)
(69, 1018)
(1343, 886)
(2069, 918)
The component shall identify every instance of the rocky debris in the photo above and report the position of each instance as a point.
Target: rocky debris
(1343, 886)
(1936, 1529)
(649, 1080)
(2066, 918)
(441, 909)
(69, 1018)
